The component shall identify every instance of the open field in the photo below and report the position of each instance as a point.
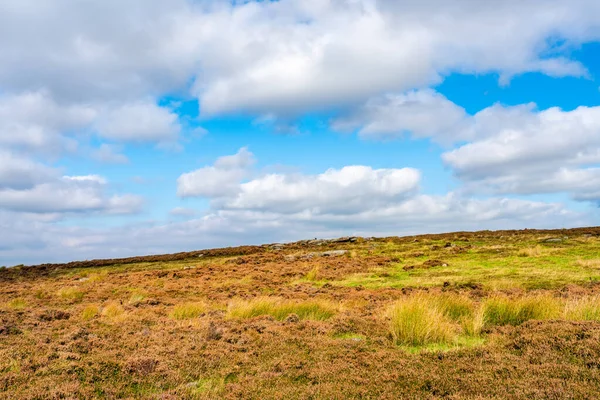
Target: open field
(470, 315)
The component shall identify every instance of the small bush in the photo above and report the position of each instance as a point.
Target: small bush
(89, 312)
(188, 311)
(279, 309)
(17, 303)
(515, 311)
(418, 321)
(71, 294)
(583, 309)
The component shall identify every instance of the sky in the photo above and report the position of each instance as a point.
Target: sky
(156, 126)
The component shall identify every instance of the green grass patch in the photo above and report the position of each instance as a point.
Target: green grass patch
(188, 311)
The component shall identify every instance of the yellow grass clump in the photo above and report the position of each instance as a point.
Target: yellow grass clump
(113, 311)
(313, 274)
(420, 320)
(531, 251)
(501, 310)
(188, 311)
(279, 309)
(583, 309)
(89, 312)
(70, 294)
(17, 303)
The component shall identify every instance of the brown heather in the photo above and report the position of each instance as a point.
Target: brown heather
(476, 315)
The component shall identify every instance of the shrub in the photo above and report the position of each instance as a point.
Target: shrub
(279, 309)
(188, 311)
(515, 311)
(418, 320)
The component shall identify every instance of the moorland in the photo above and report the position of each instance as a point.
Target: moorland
(465, 315)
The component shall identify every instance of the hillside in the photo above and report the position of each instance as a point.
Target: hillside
(505, 314)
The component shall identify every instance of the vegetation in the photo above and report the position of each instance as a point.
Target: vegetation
(513, 314)
(188, 311)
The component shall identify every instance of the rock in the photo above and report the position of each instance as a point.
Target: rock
(289, 258)
(292, 319)
(333, 253)
(276, 247)
(345, 239)
(554, 240)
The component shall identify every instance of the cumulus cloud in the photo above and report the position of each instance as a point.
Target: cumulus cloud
(342, 191)
(17, 172)
(422, 113)
(68, 194)
(219, 180)
(532, 152)
(280, 57)
(139, 122)
(107, 153)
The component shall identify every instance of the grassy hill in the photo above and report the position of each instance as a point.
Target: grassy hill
(507, 314)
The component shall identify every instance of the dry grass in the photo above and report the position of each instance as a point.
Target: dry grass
(17, 303)
(70, 294)
(313, 274)
(89, 312)
(113, 311)
(502, 310)
(536, 251)
(583, 309)
(136, 298)
(188, 311)
(417, 321)
(279, 309)
(594, 263)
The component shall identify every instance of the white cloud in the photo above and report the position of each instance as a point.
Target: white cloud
(342, 191)
(221, 179)
(182, 212)
(280, 57)
(422, 113)
(532, 151)
(68, 194)
(139, 122)
(19, 173)
(107, 153)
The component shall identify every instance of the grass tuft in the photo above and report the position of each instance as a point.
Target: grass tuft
(312, 275)
(89, 312)
(417, 321)
(501, 310)
(279, 309)
(583, 309)
(70, 294)
(188, 311)
(113, 311)
(17, 303)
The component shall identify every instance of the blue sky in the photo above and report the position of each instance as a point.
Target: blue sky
(162, 126)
